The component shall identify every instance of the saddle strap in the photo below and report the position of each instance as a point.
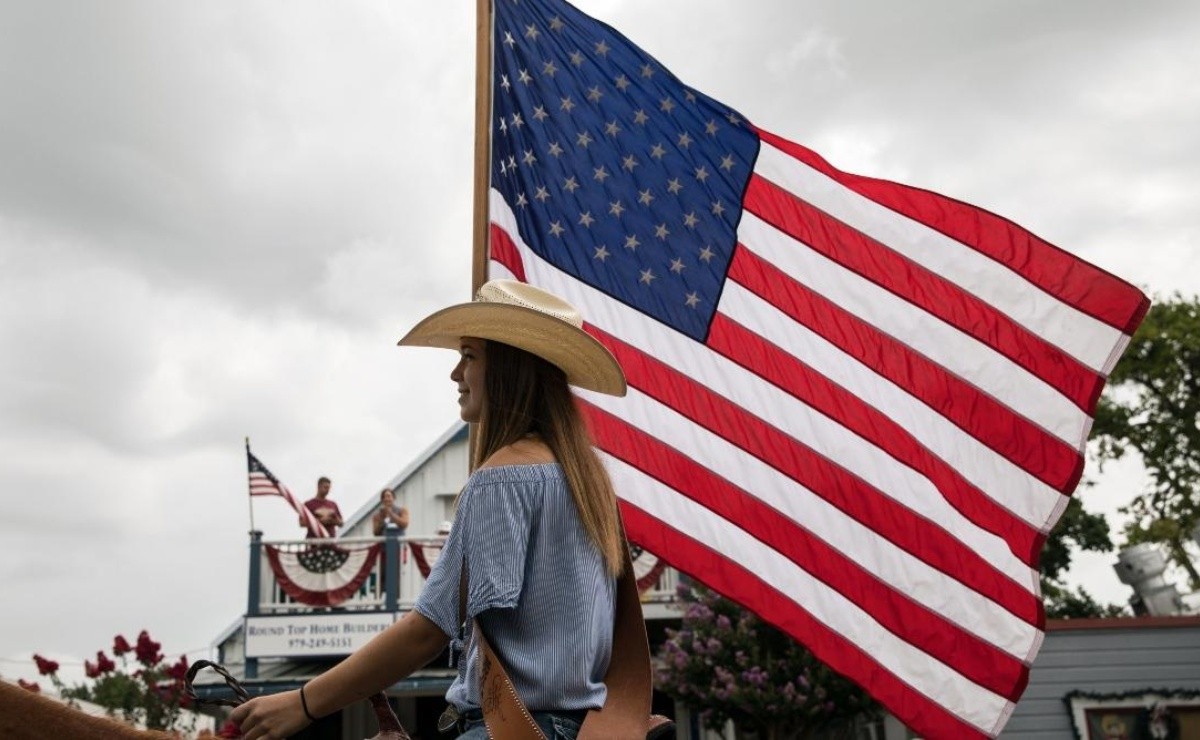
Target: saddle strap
(504, 714)
(629, 679)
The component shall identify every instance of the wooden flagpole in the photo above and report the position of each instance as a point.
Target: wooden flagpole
(483, 142)
(483, 165)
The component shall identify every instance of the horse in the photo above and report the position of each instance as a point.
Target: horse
(27, 715)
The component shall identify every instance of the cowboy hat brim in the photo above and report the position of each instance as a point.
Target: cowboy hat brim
(587, 363)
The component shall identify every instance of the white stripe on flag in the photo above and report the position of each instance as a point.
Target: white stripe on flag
(1061, 324)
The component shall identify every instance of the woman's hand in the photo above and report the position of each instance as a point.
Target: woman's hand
(272, 717)
(391, 655)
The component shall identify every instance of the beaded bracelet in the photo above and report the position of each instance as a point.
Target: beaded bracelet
(304, 705)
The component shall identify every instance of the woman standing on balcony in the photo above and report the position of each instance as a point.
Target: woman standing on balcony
(536, 533)
(389, 514)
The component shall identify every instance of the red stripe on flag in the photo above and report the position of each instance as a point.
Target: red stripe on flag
(983, 417)
(505, 252)
(745, 587)
(776, 366)
(845, 491)
(930, 292)
(932, 633)
(1084, 286)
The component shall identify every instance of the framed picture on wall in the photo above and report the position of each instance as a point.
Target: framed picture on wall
(1147, 714)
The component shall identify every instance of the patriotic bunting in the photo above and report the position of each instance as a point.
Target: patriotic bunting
(647, 568)
(321, 575)
(425, 554)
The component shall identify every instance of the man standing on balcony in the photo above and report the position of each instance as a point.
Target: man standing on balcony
(324, 509)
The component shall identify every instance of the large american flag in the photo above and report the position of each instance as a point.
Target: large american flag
(262, 483)
(855, 407)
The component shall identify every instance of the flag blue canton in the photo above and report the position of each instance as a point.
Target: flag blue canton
(257, 467)
(617, 173)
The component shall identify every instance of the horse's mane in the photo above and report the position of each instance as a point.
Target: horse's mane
(25, 715)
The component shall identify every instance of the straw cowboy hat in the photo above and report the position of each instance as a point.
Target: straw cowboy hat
(531, 319)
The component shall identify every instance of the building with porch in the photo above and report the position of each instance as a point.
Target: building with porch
(281, 641)
(1088, 672)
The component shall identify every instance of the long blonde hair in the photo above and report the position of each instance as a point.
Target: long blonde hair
(525, 394)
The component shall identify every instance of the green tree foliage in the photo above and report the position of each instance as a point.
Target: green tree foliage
(1077, 529)
(1152, 407)
(726, 664)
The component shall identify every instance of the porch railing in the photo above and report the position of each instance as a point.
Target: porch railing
(393, 582)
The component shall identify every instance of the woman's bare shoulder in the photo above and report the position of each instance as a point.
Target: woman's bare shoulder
(521, 452)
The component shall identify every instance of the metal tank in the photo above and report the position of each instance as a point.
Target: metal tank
(1141, 567)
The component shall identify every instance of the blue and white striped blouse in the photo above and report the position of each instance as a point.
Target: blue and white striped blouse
(537, 584)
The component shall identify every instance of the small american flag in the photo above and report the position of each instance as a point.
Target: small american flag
(855, 407)
(262, 483)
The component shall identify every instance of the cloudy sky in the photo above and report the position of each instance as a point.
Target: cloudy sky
(216, 219)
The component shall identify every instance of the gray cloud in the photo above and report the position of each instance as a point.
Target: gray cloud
(238, 147)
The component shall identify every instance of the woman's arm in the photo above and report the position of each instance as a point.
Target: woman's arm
(400, 518)
(393, 654)
(377, 522)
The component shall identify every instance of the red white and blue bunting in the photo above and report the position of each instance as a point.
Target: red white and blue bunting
(425, 554)
(321, 575)
(647, 567)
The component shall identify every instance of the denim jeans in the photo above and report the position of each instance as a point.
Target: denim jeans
(554, 726)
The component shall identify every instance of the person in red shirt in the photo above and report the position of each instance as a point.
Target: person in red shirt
(323, 508)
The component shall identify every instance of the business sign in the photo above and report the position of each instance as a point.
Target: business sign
(312, 634)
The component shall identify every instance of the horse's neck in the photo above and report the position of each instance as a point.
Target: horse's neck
(25, 715)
